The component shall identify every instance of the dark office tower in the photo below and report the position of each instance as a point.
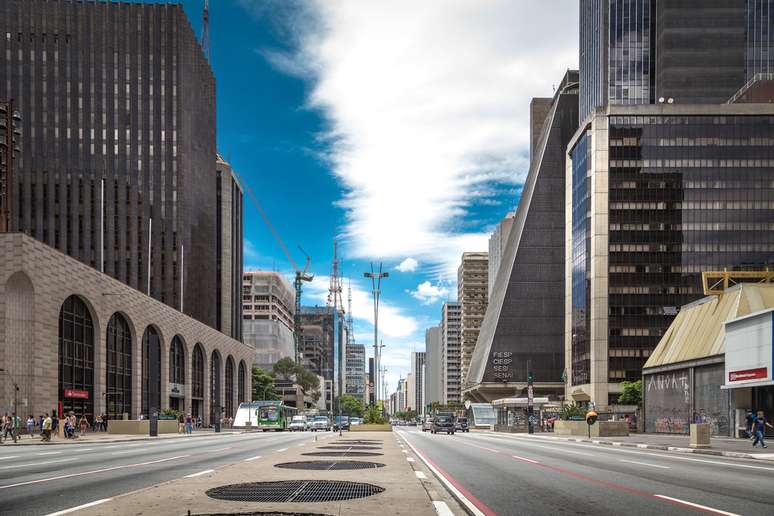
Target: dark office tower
(117, 168)
(524, 322)
(616, 53)
(700, 56)
(228, 311)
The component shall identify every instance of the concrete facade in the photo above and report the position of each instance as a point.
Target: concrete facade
(451, 343)
(497, 242)
(356, 373)
(433, 365)
(419, 375)
(472, 294)
(268, 309)
(35, 281)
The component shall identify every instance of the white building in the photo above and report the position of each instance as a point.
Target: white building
(419, 376)
(268, 309)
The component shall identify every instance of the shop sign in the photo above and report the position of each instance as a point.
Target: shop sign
(76, 393)
(176, 390)
(748, 374)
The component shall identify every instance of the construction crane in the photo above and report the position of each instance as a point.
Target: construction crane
(302, 275)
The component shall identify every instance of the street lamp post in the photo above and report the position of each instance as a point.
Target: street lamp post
(376, 283)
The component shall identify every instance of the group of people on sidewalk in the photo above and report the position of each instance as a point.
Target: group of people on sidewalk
(756, 427)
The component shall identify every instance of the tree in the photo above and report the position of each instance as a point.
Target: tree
(410, 414)
(373, 416)
(631, 394)
(351, 406)
(285, 369)
(263, 385)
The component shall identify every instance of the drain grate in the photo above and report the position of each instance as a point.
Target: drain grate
(343, 454)
(330, 465)
(348, 447)
(294, 491)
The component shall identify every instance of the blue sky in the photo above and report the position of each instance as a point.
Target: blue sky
(399, 128)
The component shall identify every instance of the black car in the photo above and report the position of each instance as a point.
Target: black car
(462, 424)
(443, 423)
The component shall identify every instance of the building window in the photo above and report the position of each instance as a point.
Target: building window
(241, 382)
(151, 371)
(229, 387)
(197, 373)
(177, 361)
(118, 395)
(215, 406)
(76, 358)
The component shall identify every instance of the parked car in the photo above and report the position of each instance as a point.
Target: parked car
(298, 423)
(443, 423)
(461, 424)
(341, 422)
(355, 421)
(427, 424)
(321, 423)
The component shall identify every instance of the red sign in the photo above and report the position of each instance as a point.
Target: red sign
(76, 393)
(748, 374)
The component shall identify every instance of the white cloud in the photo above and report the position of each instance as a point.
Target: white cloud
(428, 104)
(407, 265)
(392, 321)
(428, 293)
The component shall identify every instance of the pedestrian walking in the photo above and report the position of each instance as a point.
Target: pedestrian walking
(84, 424)
(8, 428)
(199, 422)
(749, 420)
(188, 424)
(180, 423)
(16, 424)
(46, 428)
(30, 425)
(759, 427)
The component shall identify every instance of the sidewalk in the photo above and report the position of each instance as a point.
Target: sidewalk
(104, 437)
(721, 446)
(405, 490)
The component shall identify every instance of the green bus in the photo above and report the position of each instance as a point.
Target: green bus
(264, 415)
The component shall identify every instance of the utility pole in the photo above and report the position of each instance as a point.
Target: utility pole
(376, 284)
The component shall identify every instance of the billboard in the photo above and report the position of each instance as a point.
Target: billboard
(750, 350)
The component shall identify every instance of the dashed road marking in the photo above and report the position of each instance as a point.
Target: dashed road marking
(420, 475)
(644, 464)
(49, 453)
(282, 450)
(695, 505)
(84, 506)
(525, 459)
(206, 471)
(409, 459)
(253, 458)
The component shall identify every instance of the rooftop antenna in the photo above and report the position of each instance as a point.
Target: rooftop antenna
(206, 30)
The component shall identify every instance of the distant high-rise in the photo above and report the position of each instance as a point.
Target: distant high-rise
(472, 287)
(451, 350)
(268, 311)
(228, 312)
(356, 373)
(118, 162)
(433, 365)
(418, 373)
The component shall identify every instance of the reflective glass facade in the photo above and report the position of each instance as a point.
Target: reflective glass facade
(686, 194)
(581, 219)
(593, 27)
(76, 358)
(760, 37)
(151, 372)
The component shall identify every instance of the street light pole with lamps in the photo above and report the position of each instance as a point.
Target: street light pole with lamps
(376, 283)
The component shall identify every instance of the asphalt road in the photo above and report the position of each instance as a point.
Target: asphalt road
(39, 480)
(512, 475)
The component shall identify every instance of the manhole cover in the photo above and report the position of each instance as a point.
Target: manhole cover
(330, 465)
(347, 447)
(294, 491)
(343, 454)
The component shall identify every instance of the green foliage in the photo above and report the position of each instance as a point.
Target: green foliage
(263, 385)
(169, 413)
(373, 416)
(351, 406)
(573, 411)
(632, 393)
(285, 369)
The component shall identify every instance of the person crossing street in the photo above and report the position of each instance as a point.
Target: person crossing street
(759, 427)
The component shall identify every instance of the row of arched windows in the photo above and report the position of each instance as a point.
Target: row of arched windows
(76, 369)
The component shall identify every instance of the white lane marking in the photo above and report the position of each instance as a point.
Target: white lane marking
(632, 452)
(695, 505)
(84, 506)
(121, 452)
(84, 449)
(49, 453)
(253, 458)
(484, 448)
(420, 475)
(219, 449)
(409, 459)
(455, 492)
(282, 449)
(102, 470)
(206, 471)
(35, 463)
(404, 451)
(441, 509)
(525, 459)
(644, 464)
(9, 457)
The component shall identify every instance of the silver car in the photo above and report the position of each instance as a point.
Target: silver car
(427, 423)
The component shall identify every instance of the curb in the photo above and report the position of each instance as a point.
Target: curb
(662, 447)
(60, 442)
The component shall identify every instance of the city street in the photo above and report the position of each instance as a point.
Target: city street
(512, 474)
(38, 480)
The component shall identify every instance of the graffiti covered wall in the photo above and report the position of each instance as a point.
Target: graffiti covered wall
(668, 402)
